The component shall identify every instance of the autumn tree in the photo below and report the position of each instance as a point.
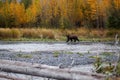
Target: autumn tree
(18, 13)
(5, 14)
(60, 13)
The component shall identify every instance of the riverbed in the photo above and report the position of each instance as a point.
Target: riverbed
(59, 53)
(82, 47)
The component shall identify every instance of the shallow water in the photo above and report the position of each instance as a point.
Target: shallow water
(71, 47)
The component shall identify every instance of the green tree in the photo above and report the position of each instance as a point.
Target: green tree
(114, 14)
(27, 3)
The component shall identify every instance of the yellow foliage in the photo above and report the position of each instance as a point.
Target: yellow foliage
(18, 11)
(63, 12)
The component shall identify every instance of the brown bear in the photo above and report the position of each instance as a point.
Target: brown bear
(72, 38)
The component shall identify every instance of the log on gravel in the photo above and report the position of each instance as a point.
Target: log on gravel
(9, 77)
(47, 71)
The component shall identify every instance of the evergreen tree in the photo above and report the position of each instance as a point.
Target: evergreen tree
(114, 15)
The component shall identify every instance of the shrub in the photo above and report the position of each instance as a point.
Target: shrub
(118, 69)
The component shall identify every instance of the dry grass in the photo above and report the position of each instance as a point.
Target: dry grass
(97, 33)
(82, 32)
(112, 32)
(30, 33)
(47, 33)
(9, 33)
(38, 33)
(15, 33)
(55, 34)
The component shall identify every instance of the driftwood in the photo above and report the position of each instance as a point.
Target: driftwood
(9, 77)
(24, 64)
(46, 71)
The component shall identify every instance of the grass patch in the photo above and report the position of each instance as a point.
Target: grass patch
(68, 52)
(107, 68)
(56, 54)
(80, 54)
(107, 53)
(24, 55)
(93, 57)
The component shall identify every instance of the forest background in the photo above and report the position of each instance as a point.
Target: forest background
(43, 18)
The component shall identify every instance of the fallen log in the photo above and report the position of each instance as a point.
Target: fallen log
(9, 77)
(46, 71)
(34, 65)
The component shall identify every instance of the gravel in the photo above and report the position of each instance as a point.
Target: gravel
(48, 58)
(57, 53)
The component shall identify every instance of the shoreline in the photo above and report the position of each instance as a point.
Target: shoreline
(80, 42)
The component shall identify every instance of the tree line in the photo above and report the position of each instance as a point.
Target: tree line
(60, 13)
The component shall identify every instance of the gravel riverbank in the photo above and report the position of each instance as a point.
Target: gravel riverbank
(54, 58)
(55, 54)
